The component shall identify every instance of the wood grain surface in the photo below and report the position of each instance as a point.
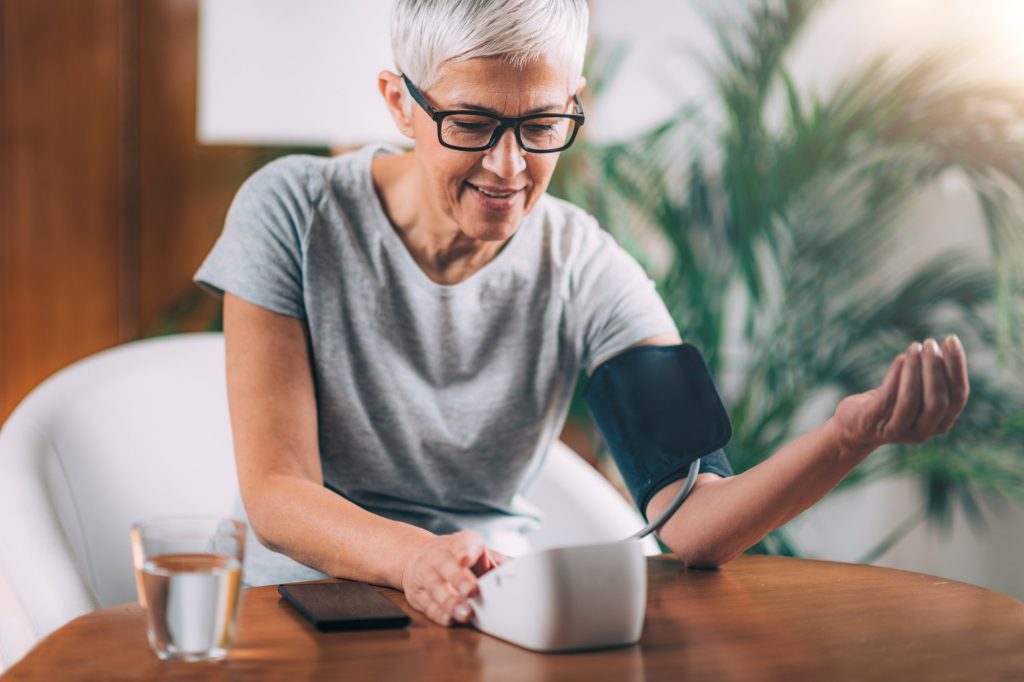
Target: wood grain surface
(757, 618)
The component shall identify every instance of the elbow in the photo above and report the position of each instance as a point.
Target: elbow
(711, 561)
(259, 508)
(260, 530)
(705, 556)
(703, 561)
(262, 538)
(708, 562)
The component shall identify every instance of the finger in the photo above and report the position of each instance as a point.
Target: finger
(463, 612)
(885, 394)
(451, 603)
(461, 580)
(487, 561)
(444, 572)
(959, 386)
(935, 401)
(466, 547)
(437, 614)
(908, 400)
(443, 596)
(421, 599)
(430, 600)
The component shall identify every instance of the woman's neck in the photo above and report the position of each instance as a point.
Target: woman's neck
(444, 253)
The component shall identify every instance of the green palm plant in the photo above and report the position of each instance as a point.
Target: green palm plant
(789, 206)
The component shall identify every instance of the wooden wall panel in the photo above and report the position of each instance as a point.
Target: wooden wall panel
(5, 178)
(107, 202)
(61, 124)
(185, 187)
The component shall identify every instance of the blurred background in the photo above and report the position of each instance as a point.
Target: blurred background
(812, 185)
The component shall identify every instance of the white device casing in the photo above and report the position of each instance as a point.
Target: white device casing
(566, 598)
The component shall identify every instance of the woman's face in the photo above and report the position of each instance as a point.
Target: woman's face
(456, 181)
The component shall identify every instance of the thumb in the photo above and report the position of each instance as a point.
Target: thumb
(469, 547)
(490, 559)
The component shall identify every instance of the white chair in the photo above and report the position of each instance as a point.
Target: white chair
(141, 431)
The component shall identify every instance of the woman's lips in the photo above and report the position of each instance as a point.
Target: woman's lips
(495, 198)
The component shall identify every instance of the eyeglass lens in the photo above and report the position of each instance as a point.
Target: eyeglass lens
(472, 131)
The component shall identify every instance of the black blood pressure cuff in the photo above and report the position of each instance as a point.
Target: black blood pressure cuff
(658, 410)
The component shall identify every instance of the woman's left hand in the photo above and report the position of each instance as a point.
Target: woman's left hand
(923, 393)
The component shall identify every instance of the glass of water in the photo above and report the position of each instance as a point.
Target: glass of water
(188, 572)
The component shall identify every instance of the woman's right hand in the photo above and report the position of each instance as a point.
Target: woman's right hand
(440, 575)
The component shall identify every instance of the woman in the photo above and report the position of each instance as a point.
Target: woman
(404, 330)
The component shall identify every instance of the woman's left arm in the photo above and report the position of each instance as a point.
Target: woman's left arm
(922, 394)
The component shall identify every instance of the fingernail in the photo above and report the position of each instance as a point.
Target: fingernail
(933, 346)
(915, 347)
(465, 589)
(462, 611)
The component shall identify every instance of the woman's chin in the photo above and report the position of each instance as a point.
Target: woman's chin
(491, 232)
(486, 226)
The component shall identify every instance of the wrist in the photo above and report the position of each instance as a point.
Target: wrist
(848, 446)
(411, 546)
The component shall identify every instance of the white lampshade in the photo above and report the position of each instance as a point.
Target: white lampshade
(296, 72)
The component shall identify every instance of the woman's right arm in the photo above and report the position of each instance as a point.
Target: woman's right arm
(272, 401)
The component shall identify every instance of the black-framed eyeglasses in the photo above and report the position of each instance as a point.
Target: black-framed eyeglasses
(475, 131)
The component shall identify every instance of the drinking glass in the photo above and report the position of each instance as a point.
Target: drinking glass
(188, 572)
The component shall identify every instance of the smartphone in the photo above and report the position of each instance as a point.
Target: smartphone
(343, 606)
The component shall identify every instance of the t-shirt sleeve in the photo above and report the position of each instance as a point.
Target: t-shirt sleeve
(259, 254)
(616, 301)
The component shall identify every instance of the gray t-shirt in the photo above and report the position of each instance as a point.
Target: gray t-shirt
(436, 403)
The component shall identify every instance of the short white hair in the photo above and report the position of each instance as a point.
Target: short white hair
(425, 34)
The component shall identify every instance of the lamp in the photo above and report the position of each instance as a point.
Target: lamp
(301, 73)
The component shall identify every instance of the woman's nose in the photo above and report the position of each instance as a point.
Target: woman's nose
(506, 158)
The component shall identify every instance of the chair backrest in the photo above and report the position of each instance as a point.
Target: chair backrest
(141, 431)
(135, 432)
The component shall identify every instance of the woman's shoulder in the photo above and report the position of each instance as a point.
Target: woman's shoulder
(571, 231)
(285, 179)
(565, 215)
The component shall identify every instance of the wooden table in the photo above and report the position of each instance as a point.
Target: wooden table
(757, 618)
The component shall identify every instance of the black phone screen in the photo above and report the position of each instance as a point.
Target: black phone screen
(343, 606)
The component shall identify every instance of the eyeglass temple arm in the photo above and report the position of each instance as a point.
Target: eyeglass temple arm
(419, 98)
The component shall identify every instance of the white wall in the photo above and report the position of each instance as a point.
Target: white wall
(848, 524)
(295, 72)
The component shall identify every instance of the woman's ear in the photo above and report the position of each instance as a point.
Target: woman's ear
(393, 90)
